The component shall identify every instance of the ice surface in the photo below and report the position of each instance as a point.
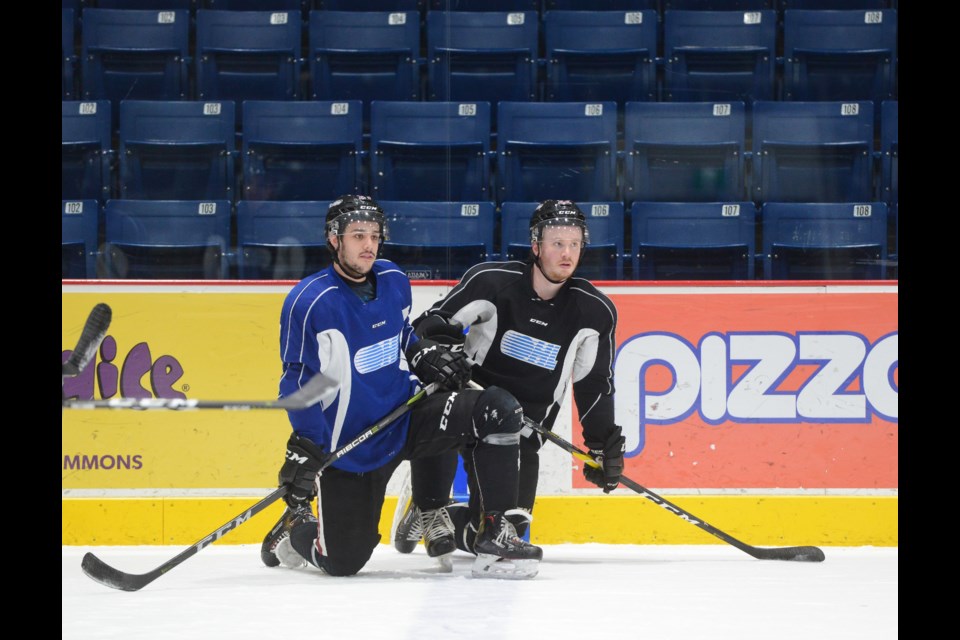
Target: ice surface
(582, 591)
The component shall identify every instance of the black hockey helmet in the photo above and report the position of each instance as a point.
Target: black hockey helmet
(559, 213)
(354, 208)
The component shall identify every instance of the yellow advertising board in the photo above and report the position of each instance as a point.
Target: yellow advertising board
(697, 407)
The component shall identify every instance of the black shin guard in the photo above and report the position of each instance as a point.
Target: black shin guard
(497, 420)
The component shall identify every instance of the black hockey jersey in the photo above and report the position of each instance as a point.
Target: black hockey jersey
(533, 347)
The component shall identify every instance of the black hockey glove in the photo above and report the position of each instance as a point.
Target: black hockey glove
(433, 362)
(449, 334)
(610, 456)
(299, 470)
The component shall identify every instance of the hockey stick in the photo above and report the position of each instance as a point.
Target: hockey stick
(305, 397)
(103, 573)
(92, 335)
(799, 554)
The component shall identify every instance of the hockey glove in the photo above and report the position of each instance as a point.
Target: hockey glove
(433, 362)
(609, 454)
(449, 334)
(299, 470)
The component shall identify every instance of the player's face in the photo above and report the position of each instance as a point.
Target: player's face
(559, 251)
(357, 247)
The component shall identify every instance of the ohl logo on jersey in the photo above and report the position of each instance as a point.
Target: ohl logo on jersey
(126, 377)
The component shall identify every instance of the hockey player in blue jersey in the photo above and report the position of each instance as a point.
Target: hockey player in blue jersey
(350, 323)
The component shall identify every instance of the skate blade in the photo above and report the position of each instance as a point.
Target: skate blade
(445, 563)
(288, 556)
(403, 500)
(491, 566)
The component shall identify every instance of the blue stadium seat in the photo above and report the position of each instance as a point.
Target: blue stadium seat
(68, 56)
(684, 151)
(438, 240)
(719, 55)
(132, 54)
(176, 150)
(602, 258)
(839, 55)
(557, 150)
(601, 55)
(430, 151)
(85, 150)
(365, 5)
(294, 6)
(485, 56)
(832, 5)
(693, 240)
(600, 5)
(79, 229)
(167, 239)
(154, 5)
(301, 150)
(717, 5)
(889, 177)
(248, 55)
(483, 5)
(890, 148)
(364, 55)
(813, 151)
(824, 241)
(281, 240)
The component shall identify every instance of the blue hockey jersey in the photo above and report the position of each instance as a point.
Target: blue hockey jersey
(359, 346)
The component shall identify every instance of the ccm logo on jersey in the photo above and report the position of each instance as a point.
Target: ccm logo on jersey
(379, 324)
(540, 322)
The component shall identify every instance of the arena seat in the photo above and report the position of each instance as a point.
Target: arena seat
(176, 150)
(438, 240)
(557, 150)
(301, 149)
(86, 155)
(599, 56)
(693, 240)
(824, 241)
(430, 151)
(281, 240)
(684, 151)
(167, 239)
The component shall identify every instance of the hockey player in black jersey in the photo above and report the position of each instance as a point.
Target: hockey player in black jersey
(534, 326)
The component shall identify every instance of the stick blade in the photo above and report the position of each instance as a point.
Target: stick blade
(94, 331)
(101, 572)
(796, 554)
(308, 395)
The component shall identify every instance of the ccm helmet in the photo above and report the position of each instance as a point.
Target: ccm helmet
(354, 208)
(558, 213)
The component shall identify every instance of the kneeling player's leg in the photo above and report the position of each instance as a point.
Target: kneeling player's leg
(495, 459)
(348, 507)
(529, 474)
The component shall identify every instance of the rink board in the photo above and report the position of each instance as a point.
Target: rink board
(786, 393)
(618, 519)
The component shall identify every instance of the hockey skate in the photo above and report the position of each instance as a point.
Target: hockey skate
(501, 553)
(408, 530)
(410, 525)
(438, 536)
(435, 528)
(276, 548)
